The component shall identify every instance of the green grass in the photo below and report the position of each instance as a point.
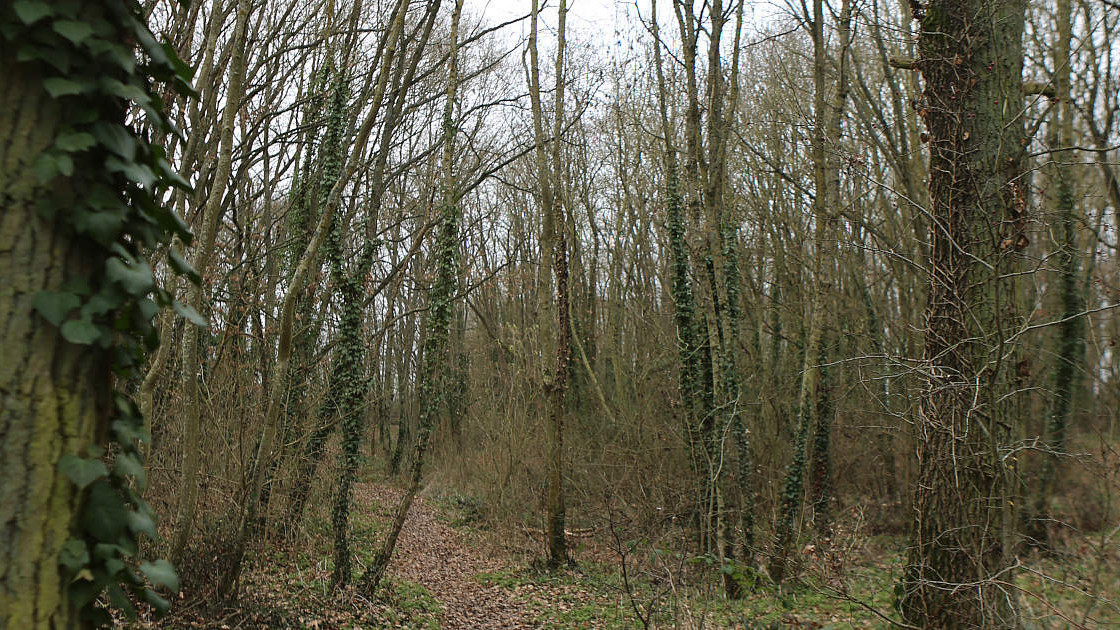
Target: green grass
(410, 605)
(594, 596)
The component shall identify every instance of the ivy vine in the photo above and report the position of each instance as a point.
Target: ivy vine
(101, 64)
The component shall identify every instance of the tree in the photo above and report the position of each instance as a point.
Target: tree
(554, 259)
(1070, 351)
(814, 409)
(80, 191)
(971, 59)
(188, 496)
(441, 303)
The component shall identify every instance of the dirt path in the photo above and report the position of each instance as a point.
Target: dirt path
(432, 553)
(288, 587)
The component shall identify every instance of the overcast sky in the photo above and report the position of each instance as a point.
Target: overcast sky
(599, 21)
(594, 20)
(595, 15)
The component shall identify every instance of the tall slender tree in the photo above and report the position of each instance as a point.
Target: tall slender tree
(211, 218)
(1070, 339)
(441, 306)
(554, 259)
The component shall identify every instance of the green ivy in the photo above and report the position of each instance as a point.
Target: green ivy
(100, 62)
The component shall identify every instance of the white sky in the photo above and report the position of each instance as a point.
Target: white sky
(582, 14)
(599, 22)
(587, 19)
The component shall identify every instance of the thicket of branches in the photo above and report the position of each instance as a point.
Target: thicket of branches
(708, 277)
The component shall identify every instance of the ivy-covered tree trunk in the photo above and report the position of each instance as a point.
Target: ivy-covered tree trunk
(1070, 342)
(441, 305)
(826, 204)
(971, 58)
(820, 465)
(346, 390)
(350, 407)
(693, 365)
(53, 394)
(77, 300)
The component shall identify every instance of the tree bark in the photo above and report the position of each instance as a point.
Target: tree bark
(54, 396)
(971, 58)
(554, 255)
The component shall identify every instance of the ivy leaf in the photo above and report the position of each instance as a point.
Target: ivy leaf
(182, 267)
(125, 432)
(103, 225)
(82, 591)
(135, 171)
(80, 331)
(45, 168)
(191, 314)
(126, 465)
(160, 604)
(73, 30)
(31, 11)
(161, 573)
(119, 600)
(100, 304)
(82, 471)
(112, 552)
(167, 219)
(117, 139)
(148, 309)
(54, 307)
(173, 178)
(105, 515)
(74, 555)
(115, 52)
(65, 164)
(75, 141)
(136, 279)
(141, 523)
(149, 44)
(125, 91)
(181, 68)
(56, 87)
(113, 565)
(58, 57)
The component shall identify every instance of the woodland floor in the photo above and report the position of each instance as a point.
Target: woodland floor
(450, 573)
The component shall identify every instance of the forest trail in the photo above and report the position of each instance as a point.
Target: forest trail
(436, 555)
(444, 575)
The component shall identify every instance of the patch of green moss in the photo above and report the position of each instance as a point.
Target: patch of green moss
(410, 606)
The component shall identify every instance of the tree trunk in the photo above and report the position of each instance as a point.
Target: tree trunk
(211, 217)
(54, 396)
(1071, 329)
(826, 206)
(554, 255)
(971, 57)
